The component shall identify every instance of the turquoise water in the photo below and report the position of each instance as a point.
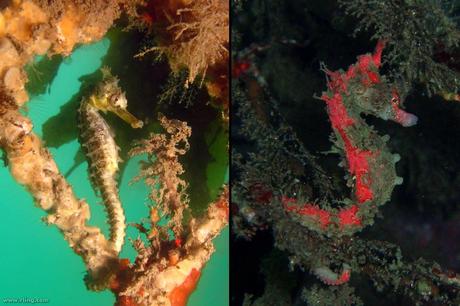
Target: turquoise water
(35, 261)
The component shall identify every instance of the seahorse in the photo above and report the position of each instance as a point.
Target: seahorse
(371, 167)
(97, 139)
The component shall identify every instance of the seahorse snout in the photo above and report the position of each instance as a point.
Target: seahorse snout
(405, 119)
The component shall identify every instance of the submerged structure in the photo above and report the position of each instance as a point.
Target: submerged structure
(172, 248)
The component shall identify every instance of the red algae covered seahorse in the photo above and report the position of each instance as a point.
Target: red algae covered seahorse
(371, 167)
(102, 151)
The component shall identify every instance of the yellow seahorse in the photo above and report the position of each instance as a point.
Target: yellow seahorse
(97, 138)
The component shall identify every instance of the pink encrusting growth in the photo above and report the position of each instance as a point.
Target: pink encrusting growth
(359, 167)
(337, 112)
(327, 276)
(361, 162)
(364, 69)
(320, 215)
(347, 216)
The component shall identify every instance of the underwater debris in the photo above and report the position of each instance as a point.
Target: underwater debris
(163, 167)
(196, 36)
(175, 92)
(193, 35)
(163, 284)
(165, 272)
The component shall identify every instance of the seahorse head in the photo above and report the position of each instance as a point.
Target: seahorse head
(383, 100)
(110, 97)
(372, 93)
(116, 98)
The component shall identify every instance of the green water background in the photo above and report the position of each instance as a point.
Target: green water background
(35, 260)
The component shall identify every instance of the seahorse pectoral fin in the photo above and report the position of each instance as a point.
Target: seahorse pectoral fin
(128, 117)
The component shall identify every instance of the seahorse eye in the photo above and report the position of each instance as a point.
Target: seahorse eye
(112, 98)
